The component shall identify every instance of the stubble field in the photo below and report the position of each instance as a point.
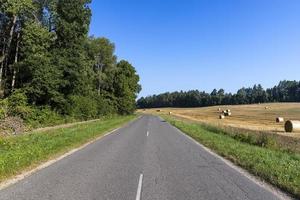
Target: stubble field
(258, 117)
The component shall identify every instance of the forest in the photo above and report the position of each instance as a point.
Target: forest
(50, 68)
(285, 91)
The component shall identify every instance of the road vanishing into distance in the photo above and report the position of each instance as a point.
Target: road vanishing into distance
(147, 159)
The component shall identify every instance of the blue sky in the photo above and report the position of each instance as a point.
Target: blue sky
(203, 44)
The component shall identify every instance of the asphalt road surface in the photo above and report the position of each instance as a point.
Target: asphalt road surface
(147, 159)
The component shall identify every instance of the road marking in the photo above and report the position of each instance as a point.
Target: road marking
(139, 189)
(147, 133)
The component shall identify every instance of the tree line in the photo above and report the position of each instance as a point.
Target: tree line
(285, 91)
(47, 60)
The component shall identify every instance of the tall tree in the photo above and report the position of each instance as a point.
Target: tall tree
(101, 51)
(15, 12)
(126, 87)
(40, 77)
(72, 24)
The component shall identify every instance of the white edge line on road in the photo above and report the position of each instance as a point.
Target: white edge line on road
(139, 189)
(276, 191)
(25, 174)
(147, 133)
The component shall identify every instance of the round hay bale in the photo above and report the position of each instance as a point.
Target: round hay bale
(221, 117)
(227, 113)
(266, 107)
(279, 119)
(292, 126)
(219, 109)
(170, 113)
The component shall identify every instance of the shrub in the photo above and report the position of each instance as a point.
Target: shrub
(3, 108)
(44, 116)
(105, 106)
(17, 105)
(82, 107)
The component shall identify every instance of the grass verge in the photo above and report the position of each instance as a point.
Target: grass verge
(277, 167)
(26, 151)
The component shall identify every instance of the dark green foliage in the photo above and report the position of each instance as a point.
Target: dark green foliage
(72, 23)
(71, 59)
(286, 91)
(126, 87)
(44, 116)
(101, 52)
(17, 105)
(50, 69)
(40, 78)
(82, 107)
(105, 106)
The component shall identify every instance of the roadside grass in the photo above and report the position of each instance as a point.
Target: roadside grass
(280, 168)
(18, 153)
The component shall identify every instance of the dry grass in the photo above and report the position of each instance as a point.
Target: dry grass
(252, 117)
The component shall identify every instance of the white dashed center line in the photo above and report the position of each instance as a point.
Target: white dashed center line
(139, 189)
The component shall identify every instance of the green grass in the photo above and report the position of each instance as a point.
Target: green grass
(25, 151)
(277, 167)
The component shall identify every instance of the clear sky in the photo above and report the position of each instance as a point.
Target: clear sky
(203, 44)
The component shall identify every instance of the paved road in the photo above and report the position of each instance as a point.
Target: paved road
(163, 165)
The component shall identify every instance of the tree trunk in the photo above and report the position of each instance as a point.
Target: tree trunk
(4, 60)
(11, 32)
(16, 61)
(99, 87)
(99, 84)
(100, 69)
(2, 65)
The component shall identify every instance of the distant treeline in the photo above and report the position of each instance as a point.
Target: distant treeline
(48, 62)
(285, 91)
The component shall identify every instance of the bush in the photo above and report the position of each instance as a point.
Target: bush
(17, 105)
(105, 106)
(81, 107)
(3, 108)
(17, 98)
(44, 116)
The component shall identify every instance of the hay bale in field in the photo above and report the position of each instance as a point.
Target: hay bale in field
(228, 110)
(222, 117)
(158, 110)
(170, 113)
(219, 109)
(279, 119)
(292, 126)
(266, 108)
(227, 113)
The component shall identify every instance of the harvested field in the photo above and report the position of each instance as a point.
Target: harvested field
(253, 117)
